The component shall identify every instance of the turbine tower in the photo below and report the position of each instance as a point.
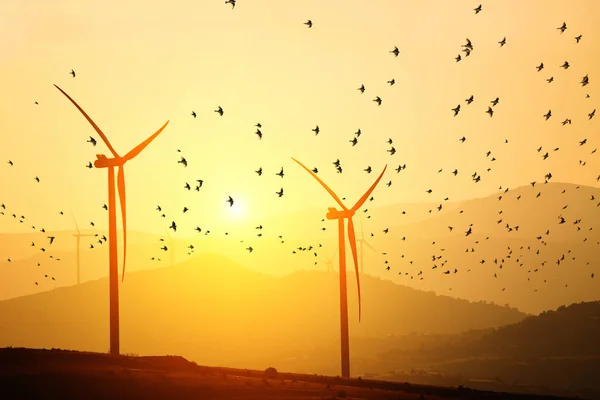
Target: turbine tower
(79, 235)
(340, 216)
(110, 164)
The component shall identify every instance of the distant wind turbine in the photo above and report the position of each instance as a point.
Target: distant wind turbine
(79, 235)
(362, 253)
(110, 163)
(340, 216)
(172, 252)
(329, 262)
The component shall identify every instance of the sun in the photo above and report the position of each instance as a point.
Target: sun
(237, 210)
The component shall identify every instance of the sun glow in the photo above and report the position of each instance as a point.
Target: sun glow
(237, 211)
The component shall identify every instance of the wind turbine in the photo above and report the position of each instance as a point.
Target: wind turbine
(79, 235)
(172, 252)
(340, 215)
(110, 163)
(329, 262)
(363, 241)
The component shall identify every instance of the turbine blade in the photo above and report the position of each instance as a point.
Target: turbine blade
(368, 245)
(368, 193)
(112, 150)
(136, 150)
(335, 197)
(121, 188)
(352, 239)
(74, 220)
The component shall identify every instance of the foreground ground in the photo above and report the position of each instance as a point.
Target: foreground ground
(59, 374)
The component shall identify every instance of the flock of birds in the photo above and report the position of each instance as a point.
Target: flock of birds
(438, 259)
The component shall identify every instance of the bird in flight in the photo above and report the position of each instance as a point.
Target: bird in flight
(232, 2)
(578, 38)
(309, 23)
(316, 130)
(548, 115)
(456, 110)
(220, 111)
(490, 111)
(562, 28)
(259, 171)
(540, 67)
(469, 100)
(280, 193)
(280, 173)
(585, 80)
(259, 134)
(183, 161)
(194, 114)
(502, 42)
(362, 89)
(395, 52)
(591, 115)
(72, 73)
(478, 9)
(230, 201)
(51, 239)
(92, 141)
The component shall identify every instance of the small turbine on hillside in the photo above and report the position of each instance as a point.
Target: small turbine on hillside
(171, 247)
(79, 235)
(110, 163)
(340, 216)
(362, 253)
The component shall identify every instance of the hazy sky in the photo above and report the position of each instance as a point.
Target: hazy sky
(139, 64)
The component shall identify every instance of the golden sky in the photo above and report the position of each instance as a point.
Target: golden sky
(139, 64)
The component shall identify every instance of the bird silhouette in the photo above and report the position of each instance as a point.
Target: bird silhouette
(183, 161)
(232, 2)
(220, 111)
(395, 51)
(280, 193)
(362, 89)
(309, 23)
(316, 130)
(72, 73)
(377, 100)
(194, 114)
(478, 9)
(92, 141)
(540, 67)
(562, 28)
(280, 173)
(259, 171)
(502, 42)
(230, 201)
(578, 38)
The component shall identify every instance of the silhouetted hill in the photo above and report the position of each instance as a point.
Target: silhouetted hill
(58, 374)
(558, 349)
(214, 311)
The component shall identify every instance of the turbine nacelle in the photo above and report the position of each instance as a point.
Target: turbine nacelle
(105, 162)
(339, 214)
